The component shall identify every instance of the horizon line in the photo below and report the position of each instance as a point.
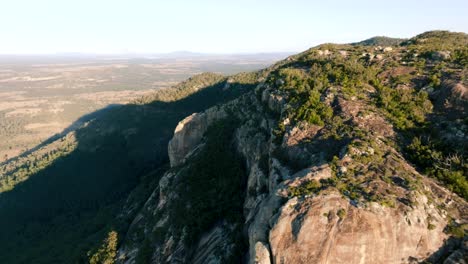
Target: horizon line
(78, 53)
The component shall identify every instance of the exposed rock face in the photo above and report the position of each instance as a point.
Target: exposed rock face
(459, 256)
(361, 235)
(440, 55)
(207, 250)
(275, 102)
(387, 49)
(453, 98)
(262, 253)
(189, 133)
(309, 229)
(318, 193)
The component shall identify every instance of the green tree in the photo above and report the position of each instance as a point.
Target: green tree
(106, 254)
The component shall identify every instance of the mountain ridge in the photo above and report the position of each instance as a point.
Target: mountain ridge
(321, 152)
(380, 41)
(360, 177)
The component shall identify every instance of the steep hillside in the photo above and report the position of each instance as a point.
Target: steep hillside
(60, 200)
(340, 154)
(351, 154)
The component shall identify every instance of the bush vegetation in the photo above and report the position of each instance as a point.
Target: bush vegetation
(406, 108)
(64, 205)
(312, 77)
(451, 170)
(107, 252)
(57, 204)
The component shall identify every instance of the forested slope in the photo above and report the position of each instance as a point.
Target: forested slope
(59, 201)
(340, 154)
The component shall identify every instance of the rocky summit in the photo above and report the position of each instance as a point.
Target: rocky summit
(349, 153)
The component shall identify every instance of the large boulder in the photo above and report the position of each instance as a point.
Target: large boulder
(328, 229)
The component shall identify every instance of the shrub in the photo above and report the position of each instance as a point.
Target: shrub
(341, 213)
(430, 158)
(107, 252)
(405, 108)
(306, 188)
(313, 110)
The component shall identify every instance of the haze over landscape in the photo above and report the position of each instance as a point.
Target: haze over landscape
(257, 132)
(209, 26)
(40, 96)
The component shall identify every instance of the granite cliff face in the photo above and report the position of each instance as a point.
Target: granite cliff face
(189, 132)
(331, 184)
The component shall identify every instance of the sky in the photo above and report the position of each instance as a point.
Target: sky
(209, 26)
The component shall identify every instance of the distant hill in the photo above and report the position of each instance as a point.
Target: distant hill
(380, 41)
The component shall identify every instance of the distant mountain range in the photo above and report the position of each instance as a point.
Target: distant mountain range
(185, 55)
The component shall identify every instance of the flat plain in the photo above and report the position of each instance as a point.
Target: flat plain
(40, 96)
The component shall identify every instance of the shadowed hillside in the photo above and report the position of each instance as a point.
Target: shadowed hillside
(339, 154)
(59, 212)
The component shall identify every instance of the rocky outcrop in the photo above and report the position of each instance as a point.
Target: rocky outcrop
(460, 255)
(207, 251)
(275, 102)
(314, 231)
(280, 228)
(339, 191)
(440, 55)
(189, 133)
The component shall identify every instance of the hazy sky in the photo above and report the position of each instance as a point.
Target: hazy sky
(113, 26)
